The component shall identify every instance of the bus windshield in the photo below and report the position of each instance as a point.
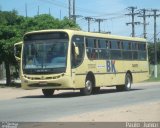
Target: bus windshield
(45, 56)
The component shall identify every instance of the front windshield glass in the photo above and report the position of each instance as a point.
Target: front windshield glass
(45, 56)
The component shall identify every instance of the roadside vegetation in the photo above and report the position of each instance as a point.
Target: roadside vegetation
(152, 78)
(12, 29)
(151, 61)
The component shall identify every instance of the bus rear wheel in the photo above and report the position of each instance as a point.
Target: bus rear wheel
(87, 90)
(48, 92)
(127, 85)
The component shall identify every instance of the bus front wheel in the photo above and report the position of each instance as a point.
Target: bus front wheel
(127, 85)
(48, 92)
(87, 90)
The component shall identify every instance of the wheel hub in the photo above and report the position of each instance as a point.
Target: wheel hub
(88, 85)
(128, 82)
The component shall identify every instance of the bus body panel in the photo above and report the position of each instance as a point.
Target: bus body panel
(107, 72)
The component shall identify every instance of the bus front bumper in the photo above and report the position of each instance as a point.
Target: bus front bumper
(58, 82)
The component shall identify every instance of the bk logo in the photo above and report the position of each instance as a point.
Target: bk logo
(111, 66)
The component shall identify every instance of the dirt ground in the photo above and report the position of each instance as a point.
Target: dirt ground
(138, 112)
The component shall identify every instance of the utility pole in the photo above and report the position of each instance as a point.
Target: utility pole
(89, 20)
(133, 23)
(38, 11)
(60, 14)
(155, 15)
(26, 9)
(74, 12)
(143, 15)
(74, 17)
(69, 8)
(49, 11)
(99, 23)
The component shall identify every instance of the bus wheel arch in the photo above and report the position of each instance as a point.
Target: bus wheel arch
(92, 77)
(130, 73)
(128, 79)
(89, 84)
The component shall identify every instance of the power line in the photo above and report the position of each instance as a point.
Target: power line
(153, 37)
(74, 17)
(116, 17)
(60, 4)
(64, 5)
(120, 12)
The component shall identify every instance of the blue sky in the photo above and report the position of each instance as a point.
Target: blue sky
(113, 10)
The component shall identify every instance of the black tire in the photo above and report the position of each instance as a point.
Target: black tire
(127, 85)
(48, 92)
(96, 90)
(87, 90)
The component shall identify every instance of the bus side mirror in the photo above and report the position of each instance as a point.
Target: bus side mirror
(76, 49)
(17, 50)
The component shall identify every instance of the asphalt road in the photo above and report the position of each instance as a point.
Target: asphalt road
(38, 108)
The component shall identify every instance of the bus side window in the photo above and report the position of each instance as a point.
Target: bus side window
(103, 52)
(88, 48)
(142, 51)
(77, 59)
(115, 51)
(91, 48)
(127, 53)
(134, 51)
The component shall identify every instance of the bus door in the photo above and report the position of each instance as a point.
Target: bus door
(77, 55)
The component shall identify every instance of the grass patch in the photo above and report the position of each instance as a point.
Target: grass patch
(13, 85)
(2, 86)
(152, 78)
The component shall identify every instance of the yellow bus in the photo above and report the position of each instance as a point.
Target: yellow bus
(68, 59)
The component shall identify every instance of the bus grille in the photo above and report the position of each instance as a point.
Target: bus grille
(45, 85)
(42, 78)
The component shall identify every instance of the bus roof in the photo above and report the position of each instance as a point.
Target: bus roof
(90, 34)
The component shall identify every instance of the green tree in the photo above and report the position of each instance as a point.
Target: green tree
(67, 24)
(46, 21)
(151, 52)
(8, 36)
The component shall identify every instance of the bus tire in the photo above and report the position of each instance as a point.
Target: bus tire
(87, 90)
(128, 82)
(96, 90)
(48, 92)
(127, 85)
